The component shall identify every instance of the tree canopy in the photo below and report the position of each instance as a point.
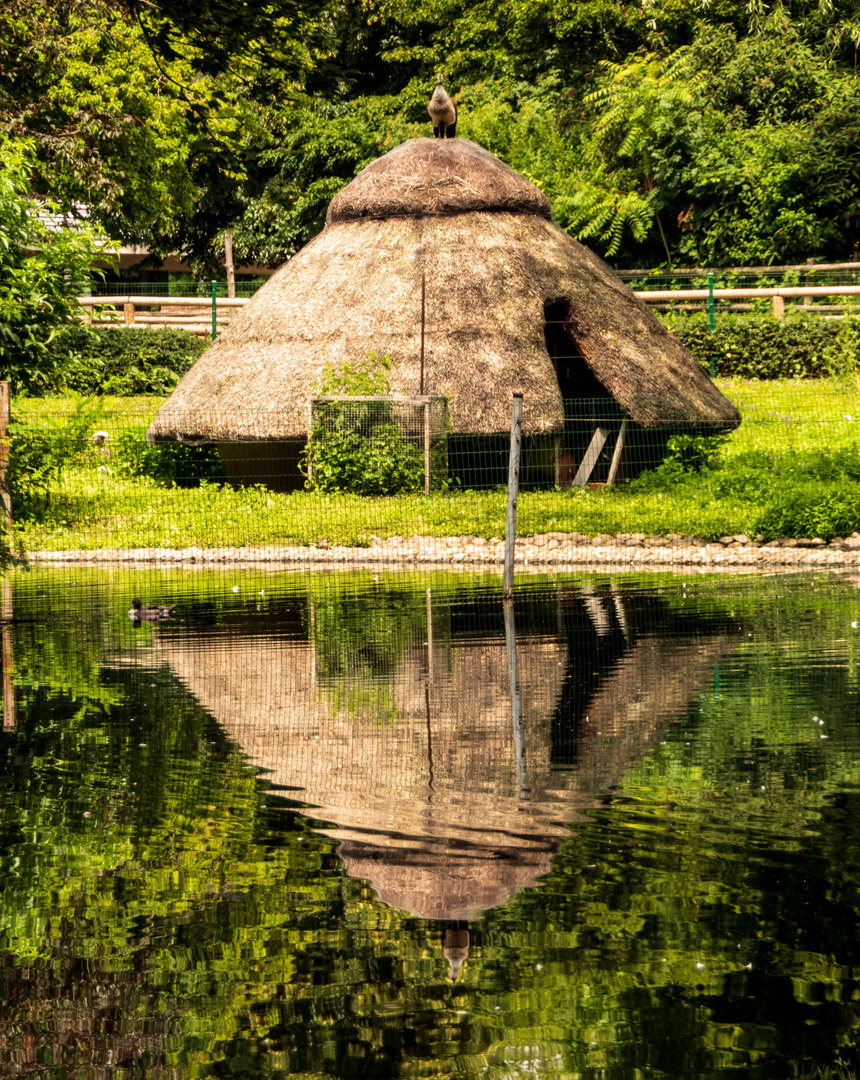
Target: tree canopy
(665, 132)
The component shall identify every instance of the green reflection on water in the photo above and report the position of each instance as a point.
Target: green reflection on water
(164, 911)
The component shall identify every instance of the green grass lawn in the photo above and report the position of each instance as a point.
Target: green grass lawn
(792, 469)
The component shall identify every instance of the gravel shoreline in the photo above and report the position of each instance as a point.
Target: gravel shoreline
(547, 549)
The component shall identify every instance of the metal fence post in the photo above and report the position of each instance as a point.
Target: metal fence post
(712, 322)
(214, 309)
(513, 492)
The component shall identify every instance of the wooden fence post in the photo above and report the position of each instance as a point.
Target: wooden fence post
(5, 491)
(128, 314)
(779, 307)
(513, 493)
(228, 265)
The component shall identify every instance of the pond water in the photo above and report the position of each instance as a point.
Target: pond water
(382, 825)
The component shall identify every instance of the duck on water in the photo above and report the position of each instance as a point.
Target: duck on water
(140, 612)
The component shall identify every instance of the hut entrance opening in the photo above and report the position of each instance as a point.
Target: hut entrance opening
(592, 418)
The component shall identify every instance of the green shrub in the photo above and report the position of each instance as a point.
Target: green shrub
(357, 446)
(120, 360)
(798, 347)
(692, 453)
(39, 451)
(166, 463)
(809, 512)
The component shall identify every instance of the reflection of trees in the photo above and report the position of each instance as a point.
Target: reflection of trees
(193, 927)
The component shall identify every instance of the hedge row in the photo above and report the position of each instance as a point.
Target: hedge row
(767, 348)
(116, 360)
(127, 362)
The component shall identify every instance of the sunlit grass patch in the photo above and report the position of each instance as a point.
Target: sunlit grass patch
(792, 468)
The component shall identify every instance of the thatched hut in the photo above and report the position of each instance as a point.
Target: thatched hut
(513, 304)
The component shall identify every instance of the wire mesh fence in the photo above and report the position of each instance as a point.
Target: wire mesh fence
(593, 483)
(377, 445)
(836, 276)
(186, 286)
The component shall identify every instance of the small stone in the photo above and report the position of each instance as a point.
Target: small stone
(789, 543)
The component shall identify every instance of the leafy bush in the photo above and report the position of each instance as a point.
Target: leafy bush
(767, 348)
(120, 360)
(809, 512)
(358, 446)
(171, 464)
(692, 453)
(40, 451)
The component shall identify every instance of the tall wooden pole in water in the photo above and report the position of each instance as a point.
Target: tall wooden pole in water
(516, 698)
(513, 492)
(9, 711)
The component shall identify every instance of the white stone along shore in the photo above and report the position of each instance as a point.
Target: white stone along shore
(551, 550)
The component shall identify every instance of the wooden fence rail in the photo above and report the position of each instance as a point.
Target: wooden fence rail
(667, 298)
(196, 314)
(191, 313)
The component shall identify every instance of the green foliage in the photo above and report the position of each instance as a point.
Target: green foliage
(809, 512)
(767, 348)
(360, 638)
(693, 453)
(358, 446)
(170, 464)
(44, 266)
(108, 123)
(121, 361)
(40, 451)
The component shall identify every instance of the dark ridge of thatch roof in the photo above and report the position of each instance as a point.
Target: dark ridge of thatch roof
(356, 288)
(431, 177)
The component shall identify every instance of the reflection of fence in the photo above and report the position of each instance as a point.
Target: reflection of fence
(378, 445)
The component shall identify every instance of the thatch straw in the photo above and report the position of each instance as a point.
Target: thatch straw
(492, 260)
(423, 179)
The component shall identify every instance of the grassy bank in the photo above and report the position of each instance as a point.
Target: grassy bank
(792, 469)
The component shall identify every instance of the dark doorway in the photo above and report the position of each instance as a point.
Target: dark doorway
(588, 405)
(575, 377)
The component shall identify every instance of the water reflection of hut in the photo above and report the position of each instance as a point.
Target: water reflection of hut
(430, 806)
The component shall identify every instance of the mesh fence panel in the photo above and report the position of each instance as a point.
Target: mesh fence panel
(378, 445)
(593, 483)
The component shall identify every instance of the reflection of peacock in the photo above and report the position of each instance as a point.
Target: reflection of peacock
(443, 113)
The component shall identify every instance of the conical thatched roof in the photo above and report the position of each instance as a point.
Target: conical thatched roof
(492, 257)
